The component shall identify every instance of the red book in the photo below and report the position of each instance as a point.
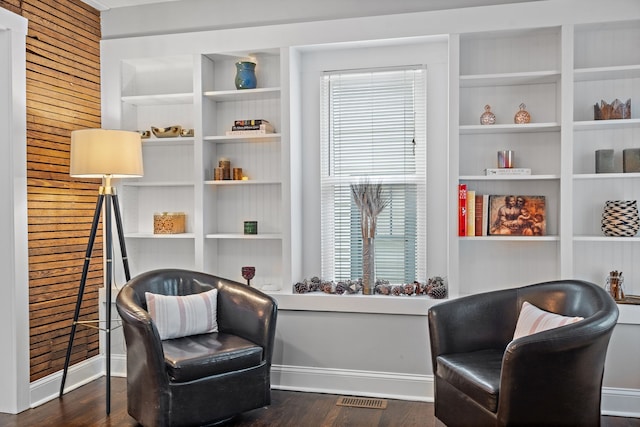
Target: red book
(462, 209)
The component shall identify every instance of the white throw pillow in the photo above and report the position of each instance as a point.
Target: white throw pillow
(181, 316)
(532, 320)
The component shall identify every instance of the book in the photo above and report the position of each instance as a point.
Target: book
(479, 215)
(471, 213)
(462, 209)
(250, 122)
(516, 215)
(507, 171)
(266, 126)
(485, 214)
(251, 129)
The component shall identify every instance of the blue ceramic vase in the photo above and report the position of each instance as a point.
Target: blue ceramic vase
(246, 75)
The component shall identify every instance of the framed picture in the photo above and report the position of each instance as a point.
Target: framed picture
(515, 215)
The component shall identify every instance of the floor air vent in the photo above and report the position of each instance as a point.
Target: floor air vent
(362, 402)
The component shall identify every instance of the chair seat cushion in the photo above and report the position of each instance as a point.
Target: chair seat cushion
(200, 356)
(476, 374)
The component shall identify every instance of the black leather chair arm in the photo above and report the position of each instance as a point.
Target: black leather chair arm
(475, 322)
(143, 341)
(248, 313)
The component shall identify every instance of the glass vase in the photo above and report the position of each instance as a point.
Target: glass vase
(246, 75)
(615, 285)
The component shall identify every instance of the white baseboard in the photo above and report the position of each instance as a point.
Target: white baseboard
(351, 382)
(48, 388)
(615, 401)
(621, 402)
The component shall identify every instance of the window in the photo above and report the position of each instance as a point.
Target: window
(373, 127)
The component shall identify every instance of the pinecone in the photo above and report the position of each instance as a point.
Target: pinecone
(314, 284)
(409, 288)
(341, 288)
(436, 281)
(397, 290)
(382, 282)
(300, 288)
(358, 285)
(382, 289)
(438, 292)
(327, 287)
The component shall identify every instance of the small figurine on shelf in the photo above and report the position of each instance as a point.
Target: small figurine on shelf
(522, 116)
(487, 118)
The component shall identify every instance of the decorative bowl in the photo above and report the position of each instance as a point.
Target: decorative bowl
(168, 132)
(144, 134)
(186, 132)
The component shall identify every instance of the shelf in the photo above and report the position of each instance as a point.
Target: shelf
(240, 95)
(240, 236)
(508, 177)
(159, 142)
(241, 182)
(605, 124)
(509, 128)
(240, 138)
(588, 176)
(157, 184)
(159, 236)
(606, 73)
(601, 238)
(550, 238)
(160, 99)
(509, 79)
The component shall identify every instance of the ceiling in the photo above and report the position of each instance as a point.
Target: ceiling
(111, 4)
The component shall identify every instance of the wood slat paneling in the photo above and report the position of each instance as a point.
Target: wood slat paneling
(63, 94)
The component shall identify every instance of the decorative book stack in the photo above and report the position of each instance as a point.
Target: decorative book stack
(251, 127)
(472, 212)
(491, 215)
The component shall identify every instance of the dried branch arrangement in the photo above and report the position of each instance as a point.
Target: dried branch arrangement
(371, 200)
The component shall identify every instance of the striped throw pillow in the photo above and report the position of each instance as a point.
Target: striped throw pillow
(532, 320)
(181, 316)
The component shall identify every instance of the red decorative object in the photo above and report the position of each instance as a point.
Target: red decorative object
(248, 273)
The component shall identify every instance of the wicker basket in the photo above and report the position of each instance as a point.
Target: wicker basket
(169, 223)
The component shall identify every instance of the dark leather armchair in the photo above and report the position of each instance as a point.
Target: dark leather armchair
(485, 378)
(199, 379)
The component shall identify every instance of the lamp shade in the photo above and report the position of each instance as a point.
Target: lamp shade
(99, 152)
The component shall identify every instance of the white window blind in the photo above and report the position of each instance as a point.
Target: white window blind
(373, 127)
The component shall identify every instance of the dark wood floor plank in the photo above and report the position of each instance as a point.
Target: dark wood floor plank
(85, 407)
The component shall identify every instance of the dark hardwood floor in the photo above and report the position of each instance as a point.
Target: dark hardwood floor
(85, 407)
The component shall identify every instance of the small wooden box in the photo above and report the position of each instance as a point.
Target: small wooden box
(169, 223)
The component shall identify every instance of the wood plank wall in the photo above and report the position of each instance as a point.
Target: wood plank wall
(63, 94)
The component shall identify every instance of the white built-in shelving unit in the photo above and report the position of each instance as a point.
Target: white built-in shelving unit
(601, 72)
(197, 91)
(503, 70)
(531, 66)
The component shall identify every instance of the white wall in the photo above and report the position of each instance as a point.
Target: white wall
(14, 291)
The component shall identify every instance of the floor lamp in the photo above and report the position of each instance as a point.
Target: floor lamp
(106, 154)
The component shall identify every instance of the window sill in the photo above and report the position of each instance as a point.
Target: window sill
(401, 305)
(379, 304)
